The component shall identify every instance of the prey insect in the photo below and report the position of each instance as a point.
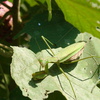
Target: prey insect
(67, 54)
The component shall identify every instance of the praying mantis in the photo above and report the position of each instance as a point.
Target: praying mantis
(65, 56)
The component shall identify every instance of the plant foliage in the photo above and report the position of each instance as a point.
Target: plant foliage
(63, 22)
(25, 63)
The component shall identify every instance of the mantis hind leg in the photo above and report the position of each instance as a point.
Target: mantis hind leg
(98, 82)
(67, 78)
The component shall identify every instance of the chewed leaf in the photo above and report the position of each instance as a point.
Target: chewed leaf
(25, 63)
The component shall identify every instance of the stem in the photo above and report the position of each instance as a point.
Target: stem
(2, 73)
(16, 16)
(67, 78)
(49, 9)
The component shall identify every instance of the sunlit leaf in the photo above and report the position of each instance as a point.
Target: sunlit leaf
(25, 63)
(80, 14)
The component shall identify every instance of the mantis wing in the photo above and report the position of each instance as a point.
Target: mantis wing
(68, 53)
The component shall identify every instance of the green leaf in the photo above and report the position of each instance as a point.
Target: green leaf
(81, 15)
(42, 1)
(31, 2)
(25, 63)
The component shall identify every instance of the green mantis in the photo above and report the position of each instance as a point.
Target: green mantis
(67, 54)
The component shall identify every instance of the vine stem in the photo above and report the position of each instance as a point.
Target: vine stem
(16, 16)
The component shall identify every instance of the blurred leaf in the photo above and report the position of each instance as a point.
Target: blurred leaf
(42, 1)
(31, 2)
(81, 15)
(2, 92)
(29, 10)
(57, 30)
(24, 64)
(4, 70)
(10, 0)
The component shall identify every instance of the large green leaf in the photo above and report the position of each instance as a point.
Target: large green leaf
(80, 14)
(25, 63)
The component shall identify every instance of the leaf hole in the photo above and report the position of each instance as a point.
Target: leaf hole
(98, 28)
(85, 68)
(22, 87)
(46, 93)
(26, 90)
(90, 38)
(91, 72)
(27, 94)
